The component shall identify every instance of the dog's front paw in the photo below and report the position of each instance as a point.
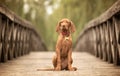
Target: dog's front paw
(58, 68)
(72, 69)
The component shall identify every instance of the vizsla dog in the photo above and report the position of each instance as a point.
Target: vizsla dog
(63, 58)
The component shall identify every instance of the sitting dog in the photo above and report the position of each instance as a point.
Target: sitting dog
(63, 58)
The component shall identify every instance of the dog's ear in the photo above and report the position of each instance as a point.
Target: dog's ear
(58, 27)
(72, 27)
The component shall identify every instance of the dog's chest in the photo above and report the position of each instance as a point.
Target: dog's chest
(65, 46)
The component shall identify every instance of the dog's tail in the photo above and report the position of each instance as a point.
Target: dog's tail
(51, 69)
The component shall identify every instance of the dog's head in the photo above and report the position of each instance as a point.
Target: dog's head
(65, 25)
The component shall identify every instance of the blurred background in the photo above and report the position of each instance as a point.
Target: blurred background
(45, 14)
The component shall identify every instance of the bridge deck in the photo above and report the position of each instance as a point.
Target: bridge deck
(87, 65)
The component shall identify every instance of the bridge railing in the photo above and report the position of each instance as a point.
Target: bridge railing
(17, 36)
(101, 36)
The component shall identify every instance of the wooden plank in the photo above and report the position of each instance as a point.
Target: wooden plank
(87, 65)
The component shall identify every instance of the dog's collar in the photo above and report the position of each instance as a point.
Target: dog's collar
(66, 38)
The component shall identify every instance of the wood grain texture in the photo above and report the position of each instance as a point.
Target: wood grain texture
(87, 65)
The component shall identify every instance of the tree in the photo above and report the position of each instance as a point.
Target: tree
(79, 11)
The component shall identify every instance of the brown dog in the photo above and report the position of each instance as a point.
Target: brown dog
(63, 58)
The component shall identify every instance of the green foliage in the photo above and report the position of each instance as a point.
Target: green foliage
(36, 8)
(79, 11)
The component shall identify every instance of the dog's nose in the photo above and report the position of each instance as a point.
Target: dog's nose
(63, 25)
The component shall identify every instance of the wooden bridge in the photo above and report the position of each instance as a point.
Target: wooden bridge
(98, 47)
(101, 36)
(87, 65)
